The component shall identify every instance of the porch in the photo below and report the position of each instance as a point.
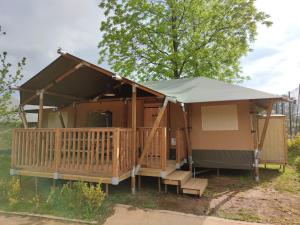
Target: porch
(92, 154)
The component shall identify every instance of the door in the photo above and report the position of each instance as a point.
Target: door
(150, 114)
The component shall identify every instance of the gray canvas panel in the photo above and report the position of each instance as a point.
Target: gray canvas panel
(225, 159)
(202, 89)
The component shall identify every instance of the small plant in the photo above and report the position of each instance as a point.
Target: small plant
(82, 198)
(297, 163)
(14, 192)
(35, 201)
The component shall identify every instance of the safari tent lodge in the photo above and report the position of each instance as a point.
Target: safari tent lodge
(95, 125)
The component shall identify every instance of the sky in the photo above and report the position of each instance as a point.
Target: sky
(36, 29)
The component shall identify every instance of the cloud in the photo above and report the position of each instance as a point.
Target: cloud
(274, 64)
(35, 29)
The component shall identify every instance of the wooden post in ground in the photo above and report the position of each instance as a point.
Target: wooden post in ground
(133, 126)
(257, 151)
(23, 117)
(140, 182)
(36, 185)
(159, 184)
(106, 189)
(41, 105)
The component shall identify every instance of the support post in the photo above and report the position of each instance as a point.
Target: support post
(133, 126)
(187, 136)
(23, 117)
(257, 151)
(41, 105)
(61, 119)
(152, 133)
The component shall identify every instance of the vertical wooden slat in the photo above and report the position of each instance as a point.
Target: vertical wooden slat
(102, 148)
(116, 153)
(78, 150)
(97, 149)
(88, 150)
(108, 147)
(47, 149)
(83, 150)
(74, 133)
(57, 149)
(92, 150)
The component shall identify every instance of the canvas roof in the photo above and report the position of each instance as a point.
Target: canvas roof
(201, 89)
(88, 81)
(85, 82)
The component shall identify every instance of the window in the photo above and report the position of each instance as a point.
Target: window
(220, 117)
(99, 119)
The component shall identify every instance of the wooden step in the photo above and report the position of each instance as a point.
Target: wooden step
(178, 177)
(194, 186)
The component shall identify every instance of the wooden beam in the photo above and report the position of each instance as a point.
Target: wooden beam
(57, 80)
(134, 144)
(152, 133)
(41, 105)
(61, 119)
(23, 117)
(50, 93)
(187, 136)
(112, 75)
(266, 123)
(103, 93)
(257, 151)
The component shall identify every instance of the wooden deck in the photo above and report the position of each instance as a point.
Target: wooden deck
(92, 154)
(89, 154)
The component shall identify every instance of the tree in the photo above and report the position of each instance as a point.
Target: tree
(7, 112)
(167, 39)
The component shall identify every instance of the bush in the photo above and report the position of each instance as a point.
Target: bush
(82, 198)
(294, 144)
(294, 150)
(13, 191)
(297, 163)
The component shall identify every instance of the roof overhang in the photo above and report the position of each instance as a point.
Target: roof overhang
(70, 79)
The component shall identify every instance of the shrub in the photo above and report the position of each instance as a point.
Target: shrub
(13, 191)
(297, 163)
(294, 144)
(81, 198)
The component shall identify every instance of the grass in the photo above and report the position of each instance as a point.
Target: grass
(148, 197)
(242, 215)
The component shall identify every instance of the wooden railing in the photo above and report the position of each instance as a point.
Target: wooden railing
(157, 154)
(88, 151)
(181, 145)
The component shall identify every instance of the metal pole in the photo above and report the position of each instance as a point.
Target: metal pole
(290, 115)
(297, 114)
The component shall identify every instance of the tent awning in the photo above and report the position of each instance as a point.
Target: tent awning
(201, 89)
(68, 79)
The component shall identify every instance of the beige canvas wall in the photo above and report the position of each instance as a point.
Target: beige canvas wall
(51, 118)
(240, 139)
(275, 145)
(121, 114)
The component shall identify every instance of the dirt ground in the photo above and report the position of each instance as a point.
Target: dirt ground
(226, 198)
(131, 216)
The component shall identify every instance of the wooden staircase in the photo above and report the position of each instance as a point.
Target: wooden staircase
(183, 180)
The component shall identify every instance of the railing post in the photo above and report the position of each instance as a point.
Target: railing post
(163, 151)
(115, 156)
(13, 150)
(178, 146)
(57, 155)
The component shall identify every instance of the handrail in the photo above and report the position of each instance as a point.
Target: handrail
(157, 154)
(73, 150)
